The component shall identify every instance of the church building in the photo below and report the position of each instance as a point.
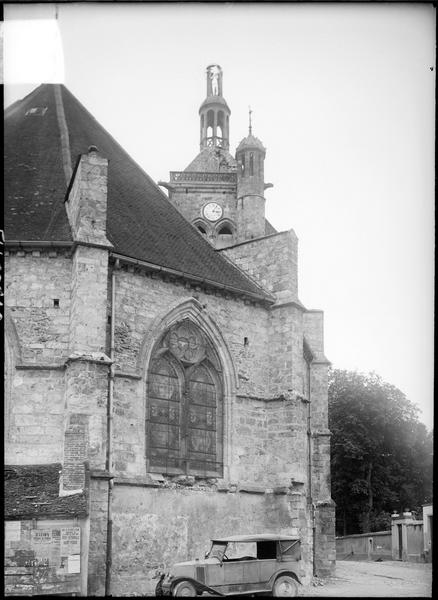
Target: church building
(164, 385)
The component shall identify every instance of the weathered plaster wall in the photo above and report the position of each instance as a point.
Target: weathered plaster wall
(35, 417)
(154, 528)
(98, 536)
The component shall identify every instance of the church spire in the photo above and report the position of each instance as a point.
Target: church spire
(214, 112)
(250, 124)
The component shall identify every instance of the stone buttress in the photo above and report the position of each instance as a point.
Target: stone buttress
(87, 367)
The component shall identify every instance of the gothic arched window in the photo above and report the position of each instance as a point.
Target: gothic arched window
(185, 404)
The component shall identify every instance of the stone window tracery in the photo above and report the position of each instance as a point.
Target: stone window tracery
(185, 404)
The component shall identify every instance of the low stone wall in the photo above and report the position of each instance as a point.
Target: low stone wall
(365, 546)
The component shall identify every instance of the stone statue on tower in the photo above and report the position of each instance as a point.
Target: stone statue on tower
(214, 73)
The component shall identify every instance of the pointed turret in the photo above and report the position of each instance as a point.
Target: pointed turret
(250, 157)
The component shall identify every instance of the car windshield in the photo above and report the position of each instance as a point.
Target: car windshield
(217, 550)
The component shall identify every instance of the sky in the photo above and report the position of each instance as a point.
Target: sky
(343, 98)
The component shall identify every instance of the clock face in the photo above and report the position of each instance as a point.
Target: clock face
(212, 211)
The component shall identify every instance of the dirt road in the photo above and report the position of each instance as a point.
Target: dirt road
(388, 579)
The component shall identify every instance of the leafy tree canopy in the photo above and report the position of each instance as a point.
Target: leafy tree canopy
(381, 454)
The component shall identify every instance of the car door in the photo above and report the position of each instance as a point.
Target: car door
(266, 568)
(215, 575)
(241, 576)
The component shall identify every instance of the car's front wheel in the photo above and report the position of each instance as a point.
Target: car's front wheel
(184, 588)
(285, 585)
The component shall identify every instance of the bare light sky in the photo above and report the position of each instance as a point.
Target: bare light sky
(343, 97)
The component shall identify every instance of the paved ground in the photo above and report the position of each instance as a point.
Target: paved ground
(387, 579)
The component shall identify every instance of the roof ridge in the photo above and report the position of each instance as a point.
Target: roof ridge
(63, 132)
(113, 139)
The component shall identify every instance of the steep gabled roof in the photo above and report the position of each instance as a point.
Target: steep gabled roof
(141, 222)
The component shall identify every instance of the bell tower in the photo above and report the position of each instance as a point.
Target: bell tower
(214, 113)
(222, 196)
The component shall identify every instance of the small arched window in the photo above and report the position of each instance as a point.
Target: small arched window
(225, 230)
(201, 227)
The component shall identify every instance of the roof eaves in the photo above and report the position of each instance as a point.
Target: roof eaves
(263, 297)
(257, 239)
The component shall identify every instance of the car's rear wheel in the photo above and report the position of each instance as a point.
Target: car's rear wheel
(184, 588)
(285, 585)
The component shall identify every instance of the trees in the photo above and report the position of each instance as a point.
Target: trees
(381, 454)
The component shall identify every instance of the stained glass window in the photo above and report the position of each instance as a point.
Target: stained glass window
(184, 409)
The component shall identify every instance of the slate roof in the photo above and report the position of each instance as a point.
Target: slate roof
(212, 160)
(141, 222)
(31, 491)
(251, 142)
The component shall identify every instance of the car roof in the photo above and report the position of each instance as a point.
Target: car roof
(262, 537)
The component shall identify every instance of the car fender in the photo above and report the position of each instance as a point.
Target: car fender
(199, 586)
(283, 572)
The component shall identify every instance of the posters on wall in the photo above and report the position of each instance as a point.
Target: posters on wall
(55, 547)
(12, 531)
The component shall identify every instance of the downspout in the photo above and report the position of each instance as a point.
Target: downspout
(109, 525)
(309, 476)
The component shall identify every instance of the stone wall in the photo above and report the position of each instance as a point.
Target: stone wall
(86, 204)
(37, 343)
(34, 423)
(37, 297)
(265, 423)
(272, 261)
(325, 549)
(250, 216)
(142, 301)
(154, 528)
(88, 315)
(190, 201)
(365, 546)
(142, 304)
(98, 536)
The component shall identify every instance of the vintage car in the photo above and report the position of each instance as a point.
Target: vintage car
(239, 564)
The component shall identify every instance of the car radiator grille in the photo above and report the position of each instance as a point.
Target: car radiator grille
(200, 574)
